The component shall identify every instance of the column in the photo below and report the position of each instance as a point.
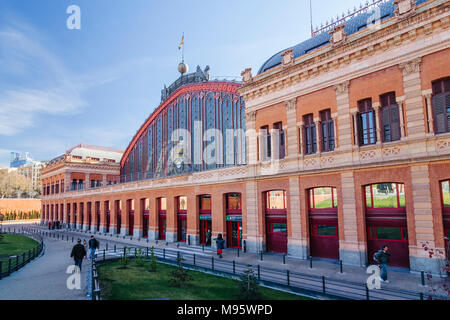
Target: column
(125, 209)
(318, 140)
(138, 221)
(423, 221)
(102, 217)
(105, 180)
(218, 218)
(254, 238)
(73, 214)
(94, 210)
(297, 246)
(400, 102)
(114, 209)
(377, 120)
(301, 129)
(87, 181)
(171, 222)
(153, 219)
(252, 138)
(336, 137)
(67, 181)
(428, 100)
(291, 115)
(351, 251)
(85, 226)
(415, 118)
(193, 219)
(354, 119)
(343, 116)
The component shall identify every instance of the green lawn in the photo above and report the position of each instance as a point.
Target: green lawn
(136, 283)
(14, 244)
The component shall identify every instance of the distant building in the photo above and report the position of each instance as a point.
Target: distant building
(18, 161)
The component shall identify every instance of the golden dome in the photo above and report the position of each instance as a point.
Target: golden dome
(183, 68)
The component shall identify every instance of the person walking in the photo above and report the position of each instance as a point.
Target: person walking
(78, 253)
(93, 246)
(382, 257)
(220, 245)
(208, 238)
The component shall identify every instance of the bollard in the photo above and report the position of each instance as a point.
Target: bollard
(288, 278)
(203, 247)
(124, 251)
(422, 276)
(310, 262)
(238, 253)
(259, 272)
(421, 296)
(178, 245)
(284, 259)
(212, 263)
(367, 292)
(340, 266)
(164, 253)
(234, 267)
(261, 254)
(323, 284)
(114, 248)
(146, 255)
(104, 254)
(194, 259)
(106, 246)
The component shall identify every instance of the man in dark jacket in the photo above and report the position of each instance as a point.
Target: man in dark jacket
(93, 245)
(383, 257)
(78, 253)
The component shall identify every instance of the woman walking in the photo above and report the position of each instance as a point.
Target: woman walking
(220, 245)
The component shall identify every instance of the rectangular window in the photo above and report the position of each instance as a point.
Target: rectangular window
(441, 105)
(446, 193)
(279, 228)
(234, 201)
(327, 131)
(276, 200)
(323, 230)
(162, 204)
(205, 202)
(182, 203)
(310, 138)
(366, 123)
(389, 233)
(390, 117)
(266, 143)
(385, 195)
(281, 139)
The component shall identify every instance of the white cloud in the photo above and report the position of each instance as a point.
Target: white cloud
(41, 85)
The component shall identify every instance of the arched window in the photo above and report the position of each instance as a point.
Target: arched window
(323, 198)
(276, 201)
(441, 105)
(390, 118)
(385, 196)
(445, 198)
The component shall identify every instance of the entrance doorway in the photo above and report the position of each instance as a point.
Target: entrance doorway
(162, 209)
(323, 222)
(182, 218)
(234, 220)
(276, 221)
(205, 219)
(386, 222)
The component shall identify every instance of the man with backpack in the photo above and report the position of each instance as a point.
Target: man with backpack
(93, 246)
(382, 257)
(78, 253)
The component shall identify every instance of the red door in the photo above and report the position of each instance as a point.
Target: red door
(205, 226)
(182, 228)
(162, 227)
(395, 237)
(89, 219)
(234, 234)
(108, 219)
(277, 234)
(145, 224)
(119, 221)
(324, 240)
(131, 223)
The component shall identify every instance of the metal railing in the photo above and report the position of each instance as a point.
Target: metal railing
(14, 263)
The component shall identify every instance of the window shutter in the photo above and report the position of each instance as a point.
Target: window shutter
(439, 114)
(359, 133)
(447, 106)
(385, 121)
(395, 123)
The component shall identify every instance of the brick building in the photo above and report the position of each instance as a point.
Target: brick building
(346, 148)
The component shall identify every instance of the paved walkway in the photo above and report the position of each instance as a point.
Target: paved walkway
(45, 278)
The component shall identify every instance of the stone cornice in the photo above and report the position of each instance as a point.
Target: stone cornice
(359, 47)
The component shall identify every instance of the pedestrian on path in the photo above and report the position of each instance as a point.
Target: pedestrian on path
(78, 253)
(93, 246)
(382, 257)
(220, 245)
(208, 238)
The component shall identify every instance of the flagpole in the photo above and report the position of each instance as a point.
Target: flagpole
(182, 51)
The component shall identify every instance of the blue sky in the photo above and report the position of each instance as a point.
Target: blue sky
(97, 85)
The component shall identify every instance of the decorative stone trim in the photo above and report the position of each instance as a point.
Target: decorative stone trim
(250, 116)
(247, 75)
(338, 36)
(342, 88)
(287, 58)
(411, 67)
(405, 8)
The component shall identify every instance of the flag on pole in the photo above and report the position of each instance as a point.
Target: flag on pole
(181, 43)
